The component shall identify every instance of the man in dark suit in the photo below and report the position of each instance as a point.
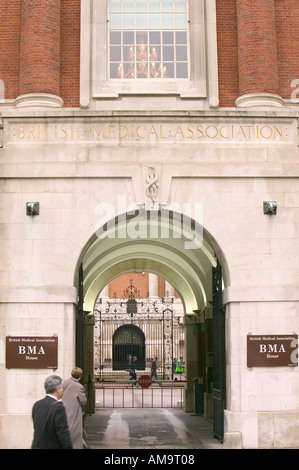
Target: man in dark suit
(49, 418)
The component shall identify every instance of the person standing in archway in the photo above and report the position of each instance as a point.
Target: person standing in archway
(133, 376)
(154, 369)
(179, 369)
(74, 399)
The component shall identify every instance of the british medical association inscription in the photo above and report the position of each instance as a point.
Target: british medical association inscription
(193, 132)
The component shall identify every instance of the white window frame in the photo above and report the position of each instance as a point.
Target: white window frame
(95, 83)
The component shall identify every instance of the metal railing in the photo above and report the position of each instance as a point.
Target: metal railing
(123, 394)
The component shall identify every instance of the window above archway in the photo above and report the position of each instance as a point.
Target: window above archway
(148, 47)
(148, 39)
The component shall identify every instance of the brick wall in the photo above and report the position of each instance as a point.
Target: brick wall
(287, 24)
(10, 29)
(118, 286)
(40, 47)
(227, 52)
(286, 17)
(70, 53)
(257, 46)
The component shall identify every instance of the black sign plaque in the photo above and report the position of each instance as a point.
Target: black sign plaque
(131, 306)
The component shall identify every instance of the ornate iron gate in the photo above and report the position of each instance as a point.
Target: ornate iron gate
(147, 330)
(219, 354)
(153, 331)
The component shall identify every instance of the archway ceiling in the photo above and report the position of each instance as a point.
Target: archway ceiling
(188, 270)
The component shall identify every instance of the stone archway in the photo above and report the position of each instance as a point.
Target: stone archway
(167, 244)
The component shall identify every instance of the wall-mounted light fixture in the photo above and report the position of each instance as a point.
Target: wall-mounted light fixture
(191, 316)
(270, 207)
(199, 316)
(32, 208)
(88, 314)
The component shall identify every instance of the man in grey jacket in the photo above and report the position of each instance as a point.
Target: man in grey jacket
(74, 399)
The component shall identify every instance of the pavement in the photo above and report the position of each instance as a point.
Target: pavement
(149, 428)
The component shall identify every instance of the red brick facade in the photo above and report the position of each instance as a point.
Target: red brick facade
(10, 34)
(258, 47)
(70, 52)
(40, 47)
(227, 52)
(119, 287)
(287, 21)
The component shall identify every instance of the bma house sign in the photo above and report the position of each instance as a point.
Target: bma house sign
(272, 350)
(31, 352)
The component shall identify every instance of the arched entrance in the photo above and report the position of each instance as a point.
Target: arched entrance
(178, 249)
(128, 341)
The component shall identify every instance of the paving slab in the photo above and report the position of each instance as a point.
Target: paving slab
(149, 429)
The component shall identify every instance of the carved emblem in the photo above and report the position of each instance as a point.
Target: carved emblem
(152, 187)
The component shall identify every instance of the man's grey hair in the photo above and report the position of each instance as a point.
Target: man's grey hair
(52, 383)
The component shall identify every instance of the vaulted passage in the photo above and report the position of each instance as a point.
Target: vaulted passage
(177, 249)
(165, 243)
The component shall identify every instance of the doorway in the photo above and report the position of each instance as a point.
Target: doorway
(128, 341)
(189, 270)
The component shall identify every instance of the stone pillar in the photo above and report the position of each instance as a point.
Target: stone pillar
(153, 285)
(257, 54)
(105, 292)
(39, 78)
(169, 288)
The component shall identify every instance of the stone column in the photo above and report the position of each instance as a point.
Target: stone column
(257, 54)
(105, 292)
(153, 285)
(169, 288)
(39, 78)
